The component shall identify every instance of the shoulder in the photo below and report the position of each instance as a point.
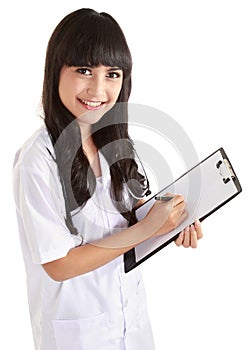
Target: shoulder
(35, 151)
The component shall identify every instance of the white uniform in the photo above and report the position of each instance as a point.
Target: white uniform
(103, 309)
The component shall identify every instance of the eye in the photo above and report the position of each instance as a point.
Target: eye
(114, 75)
(83, 71)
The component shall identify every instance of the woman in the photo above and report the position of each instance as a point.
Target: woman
(76, 181)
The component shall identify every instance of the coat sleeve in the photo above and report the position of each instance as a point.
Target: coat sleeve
(41, 212)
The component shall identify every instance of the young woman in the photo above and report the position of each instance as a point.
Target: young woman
(76, 181)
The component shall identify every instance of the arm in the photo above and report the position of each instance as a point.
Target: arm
(162, 218)
(89, 257)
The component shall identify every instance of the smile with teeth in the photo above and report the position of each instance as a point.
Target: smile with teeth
(92, 103)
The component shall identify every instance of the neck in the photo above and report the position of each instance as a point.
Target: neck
(91, 153)
(90, 148)
(85, 132)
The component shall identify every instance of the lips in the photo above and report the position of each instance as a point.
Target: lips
(91, 104)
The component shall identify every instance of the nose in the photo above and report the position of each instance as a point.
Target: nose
(96, 88)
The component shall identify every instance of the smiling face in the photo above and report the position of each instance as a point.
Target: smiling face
(89, 92)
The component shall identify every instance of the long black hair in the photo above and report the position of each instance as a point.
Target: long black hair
(88, 38)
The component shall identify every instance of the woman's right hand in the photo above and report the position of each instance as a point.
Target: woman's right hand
(164, 216)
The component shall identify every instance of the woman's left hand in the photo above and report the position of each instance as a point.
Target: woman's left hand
(190, 235)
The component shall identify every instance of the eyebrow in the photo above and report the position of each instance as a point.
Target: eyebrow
(110, 68)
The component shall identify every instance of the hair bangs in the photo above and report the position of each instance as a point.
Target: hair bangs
(99, 42)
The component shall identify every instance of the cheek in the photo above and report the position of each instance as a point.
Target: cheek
(67, 90)
(116, 91)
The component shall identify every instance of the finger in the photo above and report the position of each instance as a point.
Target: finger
(182, 216)
(193, 237)
(180, 238)
(198, 229)
(178, 199)
(186, 240)
(180, 209)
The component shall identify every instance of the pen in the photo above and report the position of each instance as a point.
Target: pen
(164, 198)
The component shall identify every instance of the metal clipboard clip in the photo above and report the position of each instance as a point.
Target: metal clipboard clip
(226, 171)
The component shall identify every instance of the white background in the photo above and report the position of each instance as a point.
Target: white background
(191, 60)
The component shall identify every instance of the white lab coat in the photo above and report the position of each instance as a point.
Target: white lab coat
(103, 309)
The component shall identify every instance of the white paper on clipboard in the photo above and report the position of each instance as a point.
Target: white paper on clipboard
(206, 187)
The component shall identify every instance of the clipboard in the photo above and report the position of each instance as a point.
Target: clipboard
(206, 187)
